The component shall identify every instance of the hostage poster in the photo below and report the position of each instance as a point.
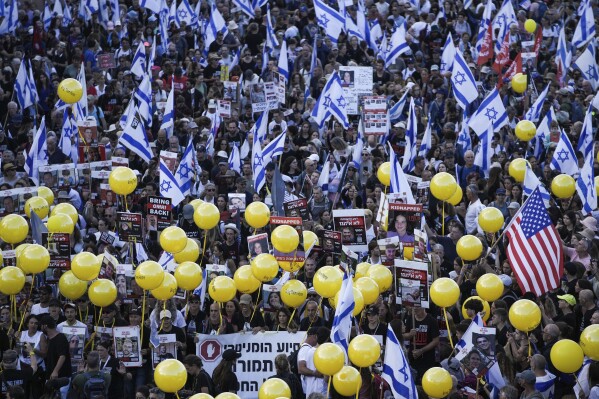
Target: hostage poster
(299, 255)
(352, 225)
(403, 220)
(411, 284)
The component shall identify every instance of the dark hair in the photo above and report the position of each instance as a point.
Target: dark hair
(192, 360)
(48, 321)
(474, 304)
(593, 374)
(323, 335)
(16, 392)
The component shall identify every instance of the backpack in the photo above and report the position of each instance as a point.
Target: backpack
(94, 386)
(292, 358)
(212, 389)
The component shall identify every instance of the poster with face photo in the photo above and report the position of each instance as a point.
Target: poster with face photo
(423, 194)
(129, 226)
(108, 268)
(88, 141)
(297, 208)
(213, 271)
(9, 205)
(59, 247)
(331, 241)
(271, 297)
(389, 249)
(403, 219)
(9, 258)
(124, 276)
(166, 349)
(299, 254)
(411, 284)
(76, 338)
(127, 346)
(258, 244)
(13, 200)
(103, 334)
(352, 225)
(477, 353)
(236, 203)
(230, 91)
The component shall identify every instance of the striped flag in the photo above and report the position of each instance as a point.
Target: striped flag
(399, 183)
(534, 113)
(585, 30)
(535, 250)
(396, 369)
(585, 185)
(341, 329)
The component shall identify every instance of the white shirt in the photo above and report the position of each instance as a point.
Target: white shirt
(76, 324)
(471, 218)
(38, 309)
(303, 355)
(313, 384)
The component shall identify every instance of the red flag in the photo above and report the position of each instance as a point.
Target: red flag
(535, 250)
(503, 57)
(486, 50)
(538, 40)
(515, 67)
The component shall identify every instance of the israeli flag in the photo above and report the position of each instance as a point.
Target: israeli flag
(396, 369)
(38, 154)
(585, 30)
(201, 290)
(143, 93)
(83, 102)
(47, 16)
(564, 158)
(331, 103)
(464, 85)
(69, 136)
(184, 174)
(427, 141)
(464, 140)
(585, 141)
(235, 159)
(399, 183)
(169, 188)
(396, 110)
(134, 137)
(152, 5)
(168, 119)
(246, 7)
(563, 56)
(485, 151)
(411, 135)
(284, 62)
(258, 167)
(330, 20)
(260, 128)
(397, 45)
(324, 179)
(501, 24)
(138, 66)
(342, 322)
(491, 110)
(585, 185)
(448, 55)
(588, 66)
(22, 87)
(531, 182)
(274, 148)
(215, 24)
(484, 25)
(271, 37)
(11, 19)
(357, 150)
(534, 113)
(186, 14)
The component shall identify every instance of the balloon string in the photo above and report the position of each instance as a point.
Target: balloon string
(220, 316)
(578, 382)
(97, 324)
(291, 318)
(256, 307)
(162, 319)
(477, 382)
(529, 346)
(126, 206)
(26, 300)
(448, 329)
(177, 395)
(359, 385)
(329, 387)
(443, 221)
(204, 247)
(143, 316)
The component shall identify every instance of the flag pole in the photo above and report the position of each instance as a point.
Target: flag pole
(511, 221)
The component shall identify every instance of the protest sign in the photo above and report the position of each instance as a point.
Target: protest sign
(299, 254)
(411, 284)
(352, 225)
(129, 226)
(127, 345)
(159, 213)
(356, 82)
(59, 247)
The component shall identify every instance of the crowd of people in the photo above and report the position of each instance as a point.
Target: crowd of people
(58, 39)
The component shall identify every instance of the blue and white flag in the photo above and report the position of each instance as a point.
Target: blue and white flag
(357, 150)
(169, 188)
(329, 19)
(215, 24)
(274, 148)
(38, 154)
(588, 66)
(464, 139)
(168, 119)
(32, 88)
(67, 18)
(399, 183)
(260, 128)
(246, 7)
(585, 30)
(258, 166)
(585, 140)
(331, 103)
(397, 45)
(22, 87)
(352, 28)
(396, 369)
(563, 55)
(69, 136)
(427, 141)
(585, 185)
(235, 159)
(491, 110)
(47, 17)
(564, 158)
(134, 137)
(410, 138)
(485, 151)
(186, 14)
(138, 66)
(201, 290)
(271, 38)
(396, 110)
(342, 322)
(11, 19)
(484, 26)
(505, 17)
(83, 102)
(463, 83)
(283, 61)
(534, 112)
(530, 184)
(143, 93)
(324, 179)
(185, 171)
(152, 5)
(448, 55)
(364, 25)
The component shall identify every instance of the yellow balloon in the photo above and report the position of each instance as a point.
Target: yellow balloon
(358, 301)
(13, 229)
(517, 169)
(310, 238)
(227, 395)
(489, 287)
(369, 289)
(12, 280)
(257, 214)
(201, 396)
(206, 216)
(264, 267)
(530, 25)
(348, 381)
(384, 173)
(519, 83)
(188, 276)
(170, 375)
(437, 382)
(195, 203)
(38, 205)
(190, 253)
(486, 308)
(597, 185)
(18, 251)
(329, 358)
(525, 315)
(285, 238)
(456, 198)
(382, 276)
(149, 275)
(173, 239)
(525, 130)
(274, 388)
(364, 350)
(35, 259)
(85, 266)
(102, 292)
(222, 289)
(245, 281)
(46, 193)
(563, 186)
(361, 270)
(167, 289)
(291, 266)
(408, 253)
(327, 281)
(444, 292)
(122, 180)
(294, 293)
(490, 219)
(70, 90)
(443, 186)
(61, 223)
(469, 248)
(589, 341)
(70, 286)
(66, 209)
(567, 356)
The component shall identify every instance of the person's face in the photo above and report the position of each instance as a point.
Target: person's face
(474, 361)
(347, 235)
(214, 313)
(401, 225)
(33, 324)
(127, 347)
(230, 308)
(134, 319)
(311, 310)
(310, 267)
(5, 315)
(70, 314)
(258, 248)
(595, 318)
(455, 233)
(483, 343)
(283, 319)
(107, 316)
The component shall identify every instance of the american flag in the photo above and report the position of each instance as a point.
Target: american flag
(535, 251)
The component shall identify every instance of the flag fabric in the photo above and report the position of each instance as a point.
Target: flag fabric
(169, 188)
(364, 25)
(34, 97)
(134, 137)
(483, 30)
(186, 14)
(531, 183)
(143, 94)
(83, 102)
(329, 19)
(201, 290)
(585, 30)
(11, 19)
(215, 24)
(397, 45)
(37, 228)
(585, 185)
(515, 67)
(535, 249)
(38, 154)
(396, 110)
(185, 171)
(271, 38)
(503, 57)
(342, 322)
(235, 159)
(485, 151)
(274, 148)
(138, 66)
(47, 17)
(277, 193)
(410, 138)
(331, 103)
(283, 61)
(585, 140)
(258, 166)
(588, 66)
(246, 7)
(563, 56)
(168, 119)
(22, 87)
(534, 112)
(491, 110)
(324, 178)
(564, 158)
(399, 183)
(260, 128)
(448, 55)
(152, 5)
(69, 136)
(501, 24)
(463, 83)
(464, 140)
(359, 146)
(396, 369)
(427, 141)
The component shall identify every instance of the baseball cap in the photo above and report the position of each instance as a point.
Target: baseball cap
(188, 212)
(527, 376)
(434, 68)
(63, 195)
(245, 299)
(165, 313)
(506, 280)
(513, 205)
(500, 191)
(231, 354)
(8, 166)
(400, 124)
(222, 154)
(568, 298)
(9, 356)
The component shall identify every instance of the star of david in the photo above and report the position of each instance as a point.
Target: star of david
(404, 373)
(590, 182)
(324, 20)
(257, 160)
(327, 101)
(591, 72)
(491, 114)
(182, 14)
(341, 102)
(460, 78)
(563, 155)
(443, 63)
(165, 185)
(501, 21)
(184, 171)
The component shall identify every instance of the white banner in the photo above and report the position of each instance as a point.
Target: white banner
(258, 352)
